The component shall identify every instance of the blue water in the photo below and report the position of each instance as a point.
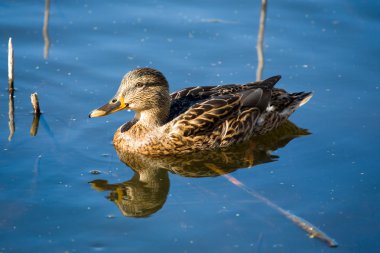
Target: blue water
(329, 177)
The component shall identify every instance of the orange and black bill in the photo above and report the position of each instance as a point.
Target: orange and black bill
(112, 106)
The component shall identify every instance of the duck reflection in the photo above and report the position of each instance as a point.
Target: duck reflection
(146, 192)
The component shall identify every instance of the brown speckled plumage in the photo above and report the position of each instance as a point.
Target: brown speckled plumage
(195, 118)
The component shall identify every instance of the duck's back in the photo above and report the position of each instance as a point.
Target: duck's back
(183, 99)
(217, 116)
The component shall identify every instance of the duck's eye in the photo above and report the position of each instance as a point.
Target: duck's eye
(139, 85)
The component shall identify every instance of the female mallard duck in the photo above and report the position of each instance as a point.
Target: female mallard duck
(195, 118)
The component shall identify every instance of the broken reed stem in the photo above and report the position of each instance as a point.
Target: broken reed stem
(35, 103)
(10, 65)
(260, 39)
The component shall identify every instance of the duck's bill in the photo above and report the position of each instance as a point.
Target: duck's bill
(111, 107)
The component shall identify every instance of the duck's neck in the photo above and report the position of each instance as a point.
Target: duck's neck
(153, 118)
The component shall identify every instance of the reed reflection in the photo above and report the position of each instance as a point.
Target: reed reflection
(45, 33)
(146, 192)
(11, 115)
(35, 124)
(260, 41)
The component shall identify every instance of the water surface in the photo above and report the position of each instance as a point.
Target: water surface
(329, 177)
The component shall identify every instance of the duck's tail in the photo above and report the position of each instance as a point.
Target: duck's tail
(298, 99)
(303, 97)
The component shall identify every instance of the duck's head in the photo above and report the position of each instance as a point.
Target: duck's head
(141, 90)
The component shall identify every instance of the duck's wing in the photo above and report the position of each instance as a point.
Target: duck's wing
(226, 110)
(204, 116)
(183, 99)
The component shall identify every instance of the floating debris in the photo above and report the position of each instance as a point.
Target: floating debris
(95, 172)
(217, 20)
(111, 216)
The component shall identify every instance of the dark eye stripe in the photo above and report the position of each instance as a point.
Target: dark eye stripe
(152, 84)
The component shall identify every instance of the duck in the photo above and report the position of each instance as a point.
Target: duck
(197, 118)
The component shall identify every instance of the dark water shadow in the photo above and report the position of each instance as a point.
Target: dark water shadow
(146, 192)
